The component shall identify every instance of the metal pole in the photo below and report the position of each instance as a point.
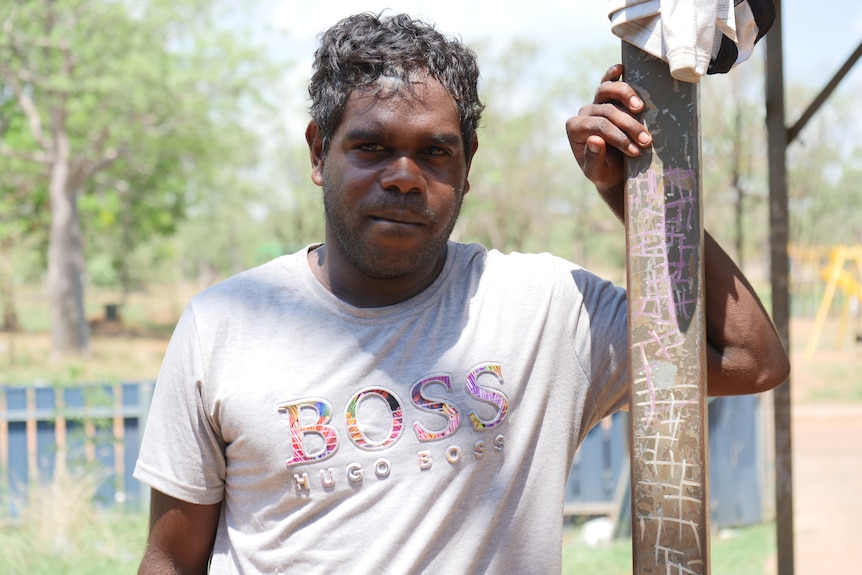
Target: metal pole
(779, 236)
(664, 234)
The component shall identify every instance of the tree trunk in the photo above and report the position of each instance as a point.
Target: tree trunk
(737, 185)
(8, 315)
(69, 330)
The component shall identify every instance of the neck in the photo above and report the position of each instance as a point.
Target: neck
(359, 290)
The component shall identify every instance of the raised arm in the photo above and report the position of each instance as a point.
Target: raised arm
(744, 351)
(181, 536)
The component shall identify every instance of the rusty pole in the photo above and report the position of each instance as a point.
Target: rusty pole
(664, 234)
(779, 233)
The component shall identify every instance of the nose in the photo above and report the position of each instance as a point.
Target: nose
(403, 175)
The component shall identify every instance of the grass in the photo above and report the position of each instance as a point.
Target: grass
(60, 530)
(128, 350)
(743, 551)
(66, 534)
(611, 558)
(833, 373)
(112, 543)
(25, 357)
(132, 350)
(851, 394)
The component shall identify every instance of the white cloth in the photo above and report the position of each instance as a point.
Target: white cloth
(432, 436)
(686, 34)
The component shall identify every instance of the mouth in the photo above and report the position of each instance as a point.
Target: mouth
(397, 217)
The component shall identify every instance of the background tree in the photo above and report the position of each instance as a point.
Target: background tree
(823, 167)
(527, 192)
(734, 166)
(128, 108)
(262, 213)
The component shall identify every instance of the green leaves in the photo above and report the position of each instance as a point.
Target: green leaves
(136, 106)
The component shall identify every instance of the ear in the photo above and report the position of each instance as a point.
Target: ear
(315, 149)
(470, 153)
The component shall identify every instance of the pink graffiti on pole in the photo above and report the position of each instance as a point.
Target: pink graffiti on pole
(663, 299)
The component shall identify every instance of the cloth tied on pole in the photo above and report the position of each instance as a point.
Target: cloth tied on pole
(695, 37)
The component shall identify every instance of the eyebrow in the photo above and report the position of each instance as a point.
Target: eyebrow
(441, 138)
(446, 139)
(362, 134)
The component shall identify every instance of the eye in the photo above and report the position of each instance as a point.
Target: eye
(370, 147)
(437, 151)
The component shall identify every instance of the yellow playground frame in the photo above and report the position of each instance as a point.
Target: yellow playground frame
(843, 271)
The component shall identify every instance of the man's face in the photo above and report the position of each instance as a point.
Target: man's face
(393, 180)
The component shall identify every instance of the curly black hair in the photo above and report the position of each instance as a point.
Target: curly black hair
(360, 49)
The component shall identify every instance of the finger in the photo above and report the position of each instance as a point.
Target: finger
(603, 168)
(613, 73)
(616, 127)
(621, 94)
(594, 156)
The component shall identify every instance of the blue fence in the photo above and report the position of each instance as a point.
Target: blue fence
(600, 472)
(46, 429)
(599, 482)
(736, 461)
(99, 427)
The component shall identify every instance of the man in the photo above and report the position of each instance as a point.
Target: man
(390, 401)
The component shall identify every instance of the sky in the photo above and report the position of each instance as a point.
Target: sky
(818, 36)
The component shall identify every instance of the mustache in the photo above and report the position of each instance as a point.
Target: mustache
(415, 204)
(409, 208)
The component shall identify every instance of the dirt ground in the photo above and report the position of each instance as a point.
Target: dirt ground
(827, 470)
(827, 455)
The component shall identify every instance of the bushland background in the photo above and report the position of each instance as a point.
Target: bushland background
(149, 149)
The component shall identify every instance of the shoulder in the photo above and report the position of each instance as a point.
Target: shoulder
(478, 256)
(529, 268)
(531, 271)
(254, 287)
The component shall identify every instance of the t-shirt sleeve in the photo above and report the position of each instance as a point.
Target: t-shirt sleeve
(601, 340)
(182, 454)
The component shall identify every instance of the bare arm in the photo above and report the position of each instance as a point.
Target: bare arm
(744, 351)
(181, 536)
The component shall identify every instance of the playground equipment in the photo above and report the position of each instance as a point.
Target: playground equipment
(838, 274)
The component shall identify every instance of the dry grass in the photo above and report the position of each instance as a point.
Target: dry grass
(133, 352)
(26, 358)
(57, 528)
(57, 513)
(833, 373)
(129, 349)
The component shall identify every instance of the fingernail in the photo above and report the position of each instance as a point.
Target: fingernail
(644, 138)
(635, 102)
(593, 147)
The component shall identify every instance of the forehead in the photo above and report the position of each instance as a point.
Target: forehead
(394, 102)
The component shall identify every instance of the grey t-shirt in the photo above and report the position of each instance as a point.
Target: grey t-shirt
(431, 436)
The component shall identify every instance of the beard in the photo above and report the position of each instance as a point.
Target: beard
(345, 225)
